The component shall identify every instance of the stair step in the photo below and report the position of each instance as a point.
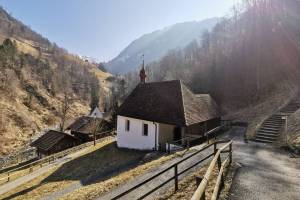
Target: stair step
(267, 131)
(266, 137)
(274, 121)
(263, 141)
(269, 128)
(271, 125)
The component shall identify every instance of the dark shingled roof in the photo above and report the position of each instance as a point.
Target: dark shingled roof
(86, 124)
(51, 138)
(169, 102)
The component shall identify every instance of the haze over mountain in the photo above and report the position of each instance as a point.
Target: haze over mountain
(155, 45)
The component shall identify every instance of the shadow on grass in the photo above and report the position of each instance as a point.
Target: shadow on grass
(99, 165)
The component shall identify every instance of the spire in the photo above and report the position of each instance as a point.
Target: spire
(143, 72)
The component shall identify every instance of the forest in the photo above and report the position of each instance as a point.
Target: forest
(249, 55)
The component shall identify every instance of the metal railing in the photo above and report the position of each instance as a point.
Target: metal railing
(177, 173)
(188, 141)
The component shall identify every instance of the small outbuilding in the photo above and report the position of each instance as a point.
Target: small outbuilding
(85, 127)
(97, 113)
(160, 112)
(54, 141)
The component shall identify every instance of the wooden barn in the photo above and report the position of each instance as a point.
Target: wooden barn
(84, 128)
(53, 142)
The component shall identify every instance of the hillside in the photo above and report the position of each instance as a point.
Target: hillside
(248, 60)
(36, 76)
(156, 44)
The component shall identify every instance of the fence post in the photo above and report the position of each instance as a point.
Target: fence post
(215, 148)
(176, 177)
(219, 162)
(188, 143)
(8, 177)
(169, 151)
(230, 153)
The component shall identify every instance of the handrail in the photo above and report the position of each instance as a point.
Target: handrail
(176, 172)
(190, 139)
(49, 159)
(201, 188)
(219, 180)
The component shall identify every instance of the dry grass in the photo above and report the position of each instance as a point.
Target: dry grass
(256, 114)
(26, 48)
(21, 190)
(45, 183)
(294, 129)
(14, 135)
(95, 190)
(90, 163)
(188, 186)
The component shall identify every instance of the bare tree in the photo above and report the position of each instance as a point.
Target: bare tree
(66, 105)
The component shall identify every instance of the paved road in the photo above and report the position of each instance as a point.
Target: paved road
(267, 173)
(15, 183)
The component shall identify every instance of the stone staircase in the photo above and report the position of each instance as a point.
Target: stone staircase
(270, 129)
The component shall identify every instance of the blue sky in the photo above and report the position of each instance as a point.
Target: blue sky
(102, 28)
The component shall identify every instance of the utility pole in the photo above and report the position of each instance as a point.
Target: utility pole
(285, 128)
(95, 129)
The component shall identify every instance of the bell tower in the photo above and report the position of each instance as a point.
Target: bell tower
(143, 75)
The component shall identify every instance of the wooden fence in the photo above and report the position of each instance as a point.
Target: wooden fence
(177, 173)
(200, 192)
(29, 168)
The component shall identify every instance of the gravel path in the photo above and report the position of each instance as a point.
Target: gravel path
(267, 173)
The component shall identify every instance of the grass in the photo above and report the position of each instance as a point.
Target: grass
(97, 189)
(188, 186)
(99, 169)
(96, 160)
(17, 174)
(45, 184)
(20, 192)
(256, 114)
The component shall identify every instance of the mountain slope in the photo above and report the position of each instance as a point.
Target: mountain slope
(250, 62)
(156, 44)
(35, 76)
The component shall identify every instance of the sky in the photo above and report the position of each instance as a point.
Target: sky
(103, 28)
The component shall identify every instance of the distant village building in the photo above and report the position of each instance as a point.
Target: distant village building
(97, 113)
(54, 141)
(159, 112)
(84, 128)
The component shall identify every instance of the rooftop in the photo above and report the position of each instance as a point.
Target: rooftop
(169, 102)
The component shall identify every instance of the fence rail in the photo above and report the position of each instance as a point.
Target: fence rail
(191, 140)
(173, 167)
(29, 168)
(200, 192)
